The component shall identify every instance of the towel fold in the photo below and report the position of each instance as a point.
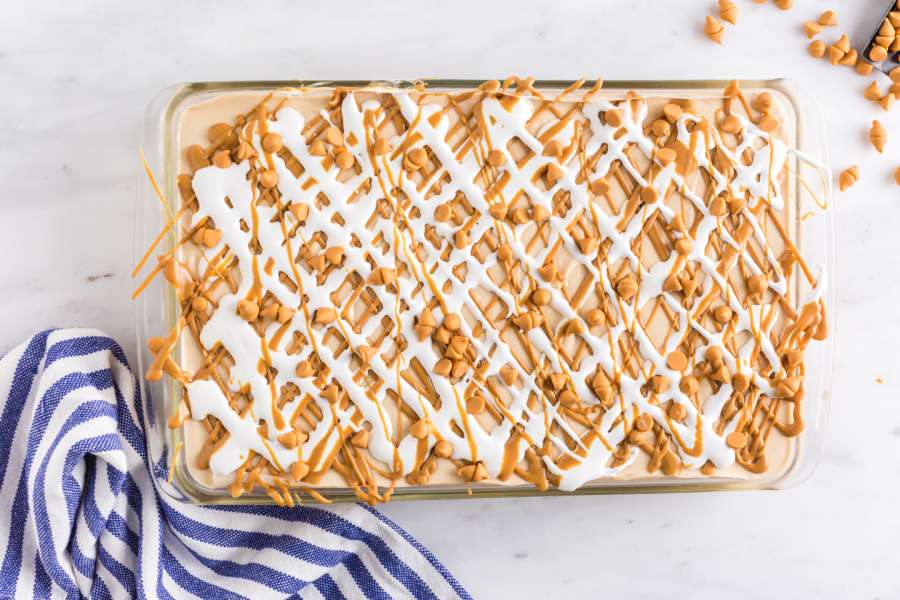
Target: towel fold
(83, 513)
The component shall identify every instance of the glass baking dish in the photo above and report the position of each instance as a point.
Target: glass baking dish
(157, 306)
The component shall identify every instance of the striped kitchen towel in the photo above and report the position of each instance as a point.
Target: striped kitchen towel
(83, 513)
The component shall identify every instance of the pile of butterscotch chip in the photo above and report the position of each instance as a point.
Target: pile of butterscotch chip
(841, 52)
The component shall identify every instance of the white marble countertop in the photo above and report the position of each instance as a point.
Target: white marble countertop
(76, 76)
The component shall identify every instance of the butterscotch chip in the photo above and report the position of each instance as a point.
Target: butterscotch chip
(684, 245)
(677, 361)
(344, 159)
(677, 411)
(757, 284)
(740, 382)
(722, 314)
(728, 11)
(828, 18)
(496, 158)
(768, 123)
(788, 387)
(848, 177)
(897, 175)
(886, 29)
(659, 384)
(843, 44)
(325, 315)
(461, 238)
(459, 368)
(508, 374)
(299, 470)
(714, 354)
(863, 67)
(672, 111)
(221, 133)
(713, 29)
(268, 178)
(332, 394)
(334, 136)
(360, 439)
(289, 440)
(382, 276)
(540, 297)
(627, 287)
(299, 210)
(504, 252)
(539, 214)
(475, 405)
(553, 148)
(595, 317)
(285, 314)
(196, 157)
(784, 4)
(884, 41)
(718, 206)
(248, 310)
(872, 92)
(272, 142)
(568, 398)
(736, 440)
(613, 117)
(689, 385)
(850, 59)
(474, 473)
(211, 237)
(732, 124)
(548, 272)
(443, 449)
(877, 54)
(419, 429)
(878, 135)
(334, 255)
(649, 194)
(222, 159)
(812, 28)
(304, 369)
(665, 156)
(443, 367)
(600, 186)
(199, 303)
(887, 101)
(661, 128)
(817, 48)
(835, 55)
(452, 321)
(644, 423)
(554, 173)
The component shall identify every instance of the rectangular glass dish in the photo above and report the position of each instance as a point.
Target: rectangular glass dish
(806, 189)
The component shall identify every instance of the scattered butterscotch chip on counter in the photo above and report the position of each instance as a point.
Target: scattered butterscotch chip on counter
(812, 29)
(887, 101)
(864, 67)
(897, 175)
(817, 49)
(714, 29)
(878, 135)
(848, 177)
(728, 11)
(828, 19)
(872, 92)
(784, 4)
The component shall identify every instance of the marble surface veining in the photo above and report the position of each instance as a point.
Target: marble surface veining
(75, 78)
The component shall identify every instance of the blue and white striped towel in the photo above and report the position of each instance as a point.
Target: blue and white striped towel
(81, 515)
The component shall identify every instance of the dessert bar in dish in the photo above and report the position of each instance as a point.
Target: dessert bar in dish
(384, 288)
